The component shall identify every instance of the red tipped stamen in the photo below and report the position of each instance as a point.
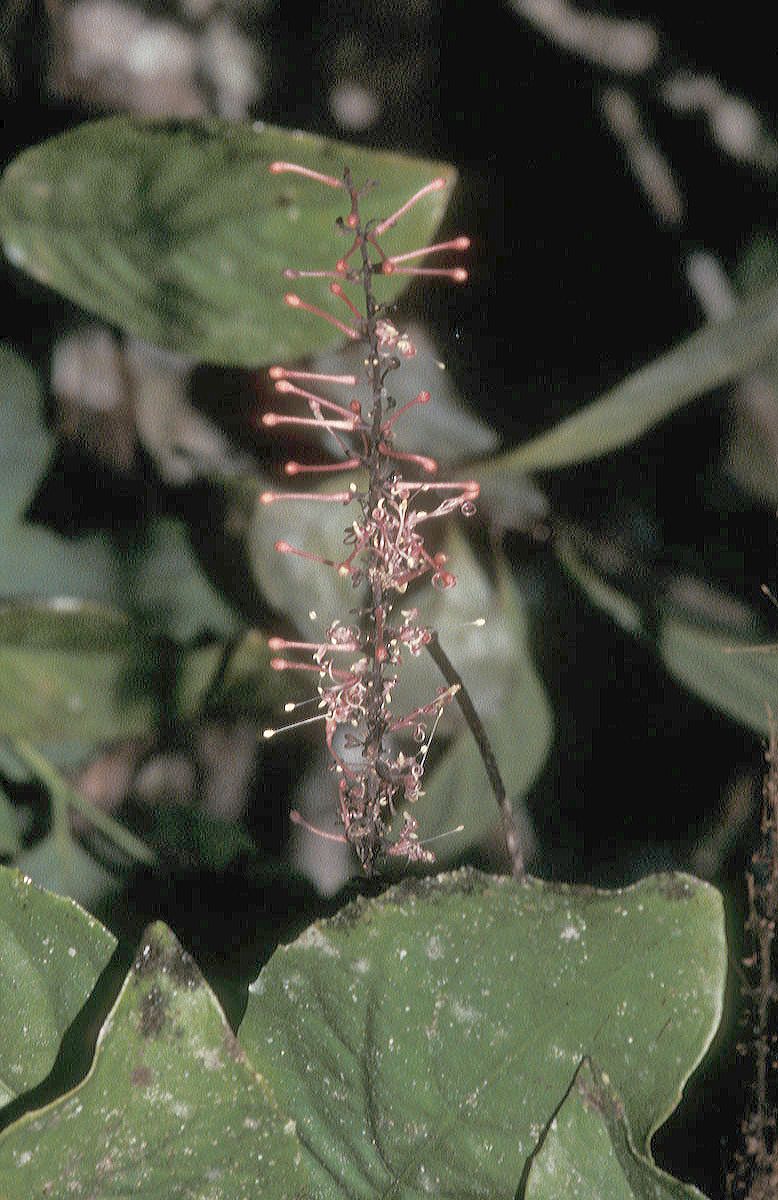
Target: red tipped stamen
(460, 243)
(312, 376)
(295, 302)
(422, 398)
(291, 273)
(278, 643)
(285, 664)
(337, 290)
(284, 548)
(282, 168)
(295, 468)
(421, 460)
(317, 497)
(296, 819)
(470, 489)
(272, 419)
(455, 274)
(389, 222)
(287, 388)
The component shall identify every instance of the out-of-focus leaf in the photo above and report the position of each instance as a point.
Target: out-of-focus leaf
(752, 452)
(517, 718)
(728, 674)
(176, 231)
(33, 560)
(170, 585)
(63, 797)
(9, 827)
(713, 356)
(587, 1152)
(194, 839)
(51, 954)
(423, 1041)
(58, 863)
(171, 1107)
(707, 641)
(621, 608)
(63, 624)
(246, 687)
(66, 672)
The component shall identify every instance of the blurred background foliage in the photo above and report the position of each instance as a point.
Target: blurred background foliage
(610, 377)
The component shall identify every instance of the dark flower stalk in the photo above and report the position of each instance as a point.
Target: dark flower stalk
(356, 665)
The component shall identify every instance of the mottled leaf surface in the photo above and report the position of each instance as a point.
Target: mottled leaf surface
(171, 1107)
(587, 1152)
(422, 1041)
(176, 232)
(51, 954)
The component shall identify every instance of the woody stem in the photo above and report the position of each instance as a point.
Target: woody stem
(510, 829)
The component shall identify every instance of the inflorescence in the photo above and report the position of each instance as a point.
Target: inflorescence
(379, 758)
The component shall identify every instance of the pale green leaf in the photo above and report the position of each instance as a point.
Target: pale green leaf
(51, 954)
(422, 1041)
(587, 1152)
(171, 1107)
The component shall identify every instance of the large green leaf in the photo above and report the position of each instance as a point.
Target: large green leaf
(423, 1041)
(51, 954)
(34, 560)
(587, 1152)
(715, 355)
(171, 1107)
(176, 231)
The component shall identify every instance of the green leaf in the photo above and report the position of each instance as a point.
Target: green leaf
(171, 1107)
(704, 638)
(730, 674)
(245, 687)
(587, 1152)
(33, 560)
(622, 609)
(67, 675)
(713, 356)
(516, 715)
(423, 1041)
(51, 954)
(175, 230)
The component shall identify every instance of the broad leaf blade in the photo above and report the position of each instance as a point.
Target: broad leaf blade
(176, 232)
(51, 954)
(171, 1106)
(587, 1152)
(715, 355)
(423, 1041)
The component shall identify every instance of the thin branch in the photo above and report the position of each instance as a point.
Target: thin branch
(510, 829)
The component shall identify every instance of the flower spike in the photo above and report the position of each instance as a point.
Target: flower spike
(357, 666)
